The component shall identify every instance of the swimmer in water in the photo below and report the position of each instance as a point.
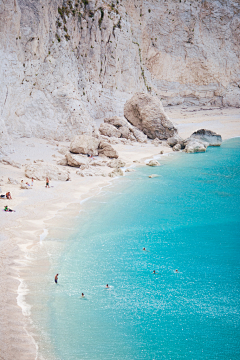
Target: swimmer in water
(176, 270)
(83, 295)
(107, 286)
(56, 278)
(154, 272)
(144, 249)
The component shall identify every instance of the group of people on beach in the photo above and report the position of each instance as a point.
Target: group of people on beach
(9, 196)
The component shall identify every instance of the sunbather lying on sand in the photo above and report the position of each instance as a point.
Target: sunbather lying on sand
(8, 210)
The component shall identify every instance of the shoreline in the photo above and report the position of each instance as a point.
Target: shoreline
(34, 217)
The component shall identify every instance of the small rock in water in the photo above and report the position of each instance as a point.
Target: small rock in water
(153, 176)
(153, 163)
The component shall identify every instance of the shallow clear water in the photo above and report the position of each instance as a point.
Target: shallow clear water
(188, 219)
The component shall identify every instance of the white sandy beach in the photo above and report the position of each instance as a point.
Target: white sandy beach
(40, 208)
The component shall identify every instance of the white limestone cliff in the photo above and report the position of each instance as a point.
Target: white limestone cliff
(66, 63)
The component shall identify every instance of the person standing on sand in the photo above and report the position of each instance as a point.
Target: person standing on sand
(32, 181)
(56, 278)
(47, 182)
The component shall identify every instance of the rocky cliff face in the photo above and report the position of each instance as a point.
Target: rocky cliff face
(65, 63)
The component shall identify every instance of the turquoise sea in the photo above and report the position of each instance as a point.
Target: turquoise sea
(188, 219)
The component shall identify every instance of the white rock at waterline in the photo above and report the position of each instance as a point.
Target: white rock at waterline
(116, 172)
(153, 163)
(208, 136)
(116, 163)
(153, 176)
(195, 146)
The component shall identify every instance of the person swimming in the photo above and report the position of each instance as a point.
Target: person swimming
(144, 249)
(83, 295)
(107, 287)
(154, 272)
(176, 270)
(56, 278)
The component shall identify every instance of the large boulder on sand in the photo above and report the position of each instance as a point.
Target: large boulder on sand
(84, 144)
(40, 171)
(76, 160)
(109, 130)
(208, 136)
(116, 163)
(147, 114)
(107, 150)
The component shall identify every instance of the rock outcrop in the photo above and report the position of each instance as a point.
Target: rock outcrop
(63, 162)
(153, 163)
(116, 163)
(42, 170)
(116, 172)
(147, 114)
(76, 160)
(195, 146)
(64, 66)
(109, 130)
(122, 125)
(84, 144)
(175, 140)
(208, 136)
(107, 150)
(177, 147)
(153, 176)
(138, 135)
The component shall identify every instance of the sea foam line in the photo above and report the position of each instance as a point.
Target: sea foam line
(43, 235)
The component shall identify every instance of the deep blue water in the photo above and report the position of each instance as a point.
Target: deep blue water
(188, 219)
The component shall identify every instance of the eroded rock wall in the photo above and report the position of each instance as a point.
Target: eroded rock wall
(66, 63)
